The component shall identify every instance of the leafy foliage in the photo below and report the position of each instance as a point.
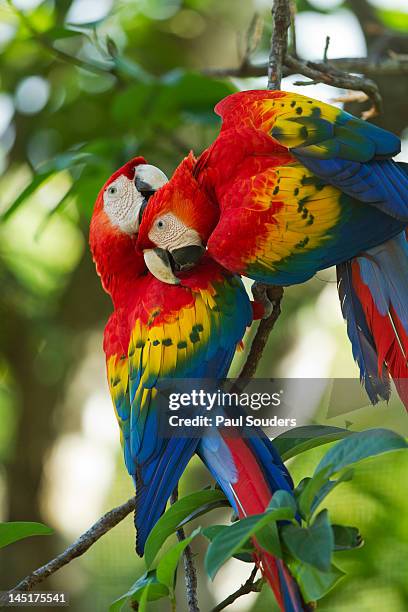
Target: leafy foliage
(300, 439)
(287, 529)
(15, 531)
(180, 513)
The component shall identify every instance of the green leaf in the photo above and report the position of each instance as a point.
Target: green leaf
(329, 486)
(203, 510)
(144, 598)
(212, 531)
(68, 160)
(185, 95)
(268, 539)
(57, 33)
(360, 446)
(230, 540)
(314, 544)
(138, 590)
(167, 566)
(88, 25)
(346, 538)
(301, 486)
(36, 182)
(133, 102)
(130, 68)
(246, 551)
(313, 583)
(57, 207)
(12, 532)
(283, 499)
(111, 47)
(190, 506)
(300, 439)
(310, 488)
(397, 20)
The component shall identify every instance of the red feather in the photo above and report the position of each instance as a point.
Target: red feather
(254, 495)
(113, 251)
(389, 336)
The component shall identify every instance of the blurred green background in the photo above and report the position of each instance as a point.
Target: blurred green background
(84, 85)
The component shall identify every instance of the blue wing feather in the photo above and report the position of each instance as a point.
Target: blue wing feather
(362, 342)
(380, 183)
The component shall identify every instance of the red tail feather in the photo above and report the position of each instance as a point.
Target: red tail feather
(390, 338)
(253, 494)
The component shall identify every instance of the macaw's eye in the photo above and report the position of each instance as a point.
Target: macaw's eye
(160, 224)
(112, 190)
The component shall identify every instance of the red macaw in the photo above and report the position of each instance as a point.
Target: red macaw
(289, 187)
(159, 332)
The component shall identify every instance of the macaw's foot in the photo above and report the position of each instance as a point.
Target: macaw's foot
(266, 297)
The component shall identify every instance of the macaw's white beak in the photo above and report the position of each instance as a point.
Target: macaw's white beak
(162, 263)
(159, 263)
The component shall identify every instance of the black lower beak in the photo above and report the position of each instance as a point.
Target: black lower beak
(141, 211)
(187, 257)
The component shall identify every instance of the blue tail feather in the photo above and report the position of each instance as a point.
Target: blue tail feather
(151, 497)
(385, 271)
(362, 342)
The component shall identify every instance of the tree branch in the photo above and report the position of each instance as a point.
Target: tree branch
(189, 568)
(248, 587)
(334, 72)
(81, 545)
(279, 42)
(322, 72)
(275, 295)
(395, 65)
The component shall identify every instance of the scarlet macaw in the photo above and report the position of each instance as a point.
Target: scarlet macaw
(289, 187)
(183, 331)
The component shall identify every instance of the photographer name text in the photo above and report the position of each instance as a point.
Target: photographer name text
(221, 421)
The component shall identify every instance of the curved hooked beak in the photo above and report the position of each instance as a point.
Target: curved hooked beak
(159, 263)
(146, 190)
(163, 264)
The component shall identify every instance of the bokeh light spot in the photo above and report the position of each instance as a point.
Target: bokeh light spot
(159, 9)
(32, 95)
(6, 112)
(88, 11)
(187, 24)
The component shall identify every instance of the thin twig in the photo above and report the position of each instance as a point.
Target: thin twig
(293, 43)
(324, 73)
(189, 568)
(334, 72)
(394, 65)
(275, 294)
(279, 42)
(248, 587)
(326, 49)
(79, 547)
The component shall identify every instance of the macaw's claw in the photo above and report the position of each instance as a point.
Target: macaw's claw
(262, 301)
(266, 299)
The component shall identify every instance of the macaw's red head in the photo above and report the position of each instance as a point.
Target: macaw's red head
(176, 224)
(116, 217)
